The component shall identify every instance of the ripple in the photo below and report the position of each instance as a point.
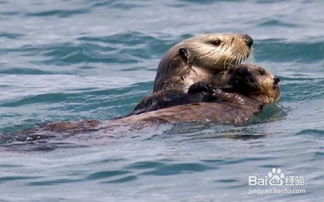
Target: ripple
(226, 180)
(105, 161)
(311, 132)
(10, 35)
(270, 113)
(112, 97)
(271, 166)
(15, 178)
(318, 155)
(144, 165)
(203, 2)
(122, 180)
(120, 5)
(52, 182)
(218, 162)
(298, 89)
(9, 13)
(177, 168)
(106, 174)
(39, 146)
(123, 48)
(47, 98)
(75, 53)
(299, 52)
(24, 71)
(133, 43)
(192, 132)
(58, 13)
(10, 166)
(275, 22)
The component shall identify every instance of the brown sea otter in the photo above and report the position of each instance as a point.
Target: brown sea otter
(248, 89)
(244, 79)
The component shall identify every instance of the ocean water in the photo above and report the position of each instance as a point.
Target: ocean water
(95, 59)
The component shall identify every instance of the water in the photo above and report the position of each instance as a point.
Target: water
(95, 59)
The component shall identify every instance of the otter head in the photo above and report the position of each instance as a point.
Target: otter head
(200, 58)
(215, 51)
(253, 81)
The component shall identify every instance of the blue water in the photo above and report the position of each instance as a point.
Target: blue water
(95, 59)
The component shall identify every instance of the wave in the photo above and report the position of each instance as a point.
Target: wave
(276, 50)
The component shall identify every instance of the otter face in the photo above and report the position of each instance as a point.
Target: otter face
(255, 81)
(216, 51)
(200, 58)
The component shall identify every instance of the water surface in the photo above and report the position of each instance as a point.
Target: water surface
(82, 59)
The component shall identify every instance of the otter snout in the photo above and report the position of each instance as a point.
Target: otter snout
(276, 80)
(248, 40)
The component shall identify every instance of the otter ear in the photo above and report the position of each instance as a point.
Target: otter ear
(185, 55)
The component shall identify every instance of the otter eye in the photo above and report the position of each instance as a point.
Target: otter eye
(215, 42)
(262, 72)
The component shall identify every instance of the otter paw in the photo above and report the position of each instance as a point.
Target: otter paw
(200, 87)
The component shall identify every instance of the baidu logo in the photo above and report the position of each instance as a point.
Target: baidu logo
(276, 177)
(276, 182)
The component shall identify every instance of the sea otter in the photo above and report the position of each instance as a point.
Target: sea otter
(200, 59)
(248, 88)
(242, 79)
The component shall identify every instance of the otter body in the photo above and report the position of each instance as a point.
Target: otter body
(246, 79)
(248, 88)
(198, 92)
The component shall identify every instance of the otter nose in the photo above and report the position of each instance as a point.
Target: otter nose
(248, 40)
(243, 72)
(276, 80)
